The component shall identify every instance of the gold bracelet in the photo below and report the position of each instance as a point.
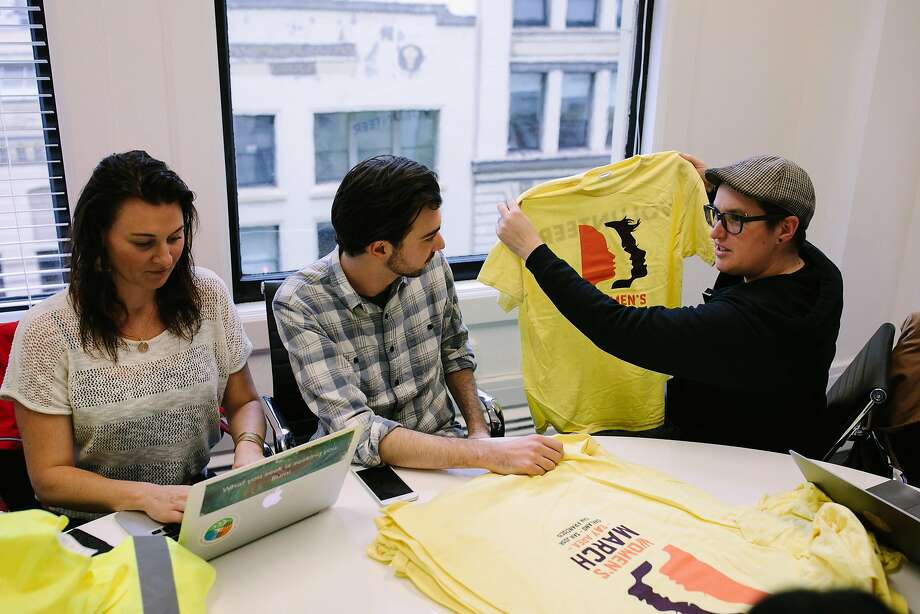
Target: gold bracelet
(249, 436)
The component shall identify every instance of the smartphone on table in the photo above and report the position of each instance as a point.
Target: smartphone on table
(385, 485)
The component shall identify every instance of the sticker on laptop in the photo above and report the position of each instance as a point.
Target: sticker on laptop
(219, 530)
(271, 474)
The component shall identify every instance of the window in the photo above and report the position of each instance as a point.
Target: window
(325, 238)
(530, 13)
(259, 245)
(34, 215)
(254, 137)
(21, 149)
(525, 119)
(341, 140)
(581, 14)
(575, 110)
(52, 267)
(608, 142)
(493, 104)
(17, 74)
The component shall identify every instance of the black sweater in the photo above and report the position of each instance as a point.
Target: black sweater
(749, 366)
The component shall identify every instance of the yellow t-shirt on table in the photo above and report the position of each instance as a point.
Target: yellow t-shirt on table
(601, 534)
(625, 228)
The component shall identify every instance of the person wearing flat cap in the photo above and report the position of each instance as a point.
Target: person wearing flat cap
(750, 364)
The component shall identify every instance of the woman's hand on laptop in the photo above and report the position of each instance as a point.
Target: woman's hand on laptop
(165, 503)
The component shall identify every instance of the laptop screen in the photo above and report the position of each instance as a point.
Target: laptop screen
(276, 471)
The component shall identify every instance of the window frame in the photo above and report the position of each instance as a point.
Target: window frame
(531, 23)
(397, 147)
(582, 24)
(543, 75)
(589, 104)
(247, 288)
(264, 227)
(52, 142)
(273, 182)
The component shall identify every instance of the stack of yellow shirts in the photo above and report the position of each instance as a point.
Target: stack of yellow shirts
(601, 534)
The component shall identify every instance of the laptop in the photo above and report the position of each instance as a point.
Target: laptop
(242, 505)
(891, 509)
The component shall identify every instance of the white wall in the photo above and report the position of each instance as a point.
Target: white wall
(134, 74)
(829, 83)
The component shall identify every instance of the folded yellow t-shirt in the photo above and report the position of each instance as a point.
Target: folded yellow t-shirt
(601, 534)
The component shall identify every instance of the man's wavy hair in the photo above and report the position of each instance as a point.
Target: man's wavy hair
(133, 174)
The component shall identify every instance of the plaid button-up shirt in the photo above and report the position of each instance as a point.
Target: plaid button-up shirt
(357, 363)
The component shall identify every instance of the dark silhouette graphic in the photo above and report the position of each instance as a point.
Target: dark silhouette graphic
(625, 229)
(643, 592)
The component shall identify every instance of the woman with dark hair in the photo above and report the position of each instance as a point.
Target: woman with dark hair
(117, 382)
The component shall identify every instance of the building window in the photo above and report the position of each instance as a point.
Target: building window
(325, 238)
(22, 150)
(341, 140)
(611, 107)
(575, 110)
(34, 214)
(254, 141)
(530, 13)
(525, 117)
(581, 14)
(259, 247)
(349, 80)
(54, 271)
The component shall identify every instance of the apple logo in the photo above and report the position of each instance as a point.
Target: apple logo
(272, 498)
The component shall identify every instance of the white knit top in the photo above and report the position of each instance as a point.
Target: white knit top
(148, 417)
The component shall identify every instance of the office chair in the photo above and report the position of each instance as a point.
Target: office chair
(862, 387)
(289, 417)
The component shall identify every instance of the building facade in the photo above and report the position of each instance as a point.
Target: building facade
(494, 95)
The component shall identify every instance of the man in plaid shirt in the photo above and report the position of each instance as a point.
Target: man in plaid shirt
(376, 338)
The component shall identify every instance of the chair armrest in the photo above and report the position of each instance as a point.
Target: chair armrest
(493, 414)
(281, 435)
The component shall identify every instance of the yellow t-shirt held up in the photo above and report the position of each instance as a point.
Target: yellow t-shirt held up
(599, 534)
(625, 228)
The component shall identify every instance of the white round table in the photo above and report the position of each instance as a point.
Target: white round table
(320, 564)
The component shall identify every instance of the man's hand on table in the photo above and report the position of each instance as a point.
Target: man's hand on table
(530, 455)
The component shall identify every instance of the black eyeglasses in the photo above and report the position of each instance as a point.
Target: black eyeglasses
(733, 223)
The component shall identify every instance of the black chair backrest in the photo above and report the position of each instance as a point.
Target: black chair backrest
(864, 380)
(300, 420)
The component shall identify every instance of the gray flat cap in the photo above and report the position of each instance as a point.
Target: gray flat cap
(770, 179)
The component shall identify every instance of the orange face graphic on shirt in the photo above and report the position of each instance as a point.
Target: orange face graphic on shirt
(598, 263)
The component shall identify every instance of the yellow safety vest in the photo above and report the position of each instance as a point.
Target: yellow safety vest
(150, 573)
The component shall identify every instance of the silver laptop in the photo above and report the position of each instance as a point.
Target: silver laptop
(891, 509)
(242, 505)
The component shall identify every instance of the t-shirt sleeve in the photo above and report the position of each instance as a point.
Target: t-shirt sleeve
(503, 271)
(239, 347)
(694, 236)
(37, 373)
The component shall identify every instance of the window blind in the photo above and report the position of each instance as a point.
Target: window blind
(34, 213)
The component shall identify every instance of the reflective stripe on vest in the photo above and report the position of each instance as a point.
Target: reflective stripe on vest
(154, 570)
